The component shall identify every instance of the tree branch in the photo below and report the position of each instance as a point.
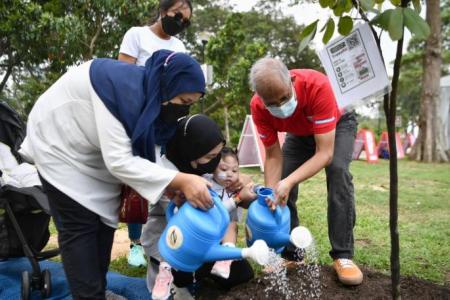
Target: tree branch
(98, 23)
(212, 106)
(7, 74)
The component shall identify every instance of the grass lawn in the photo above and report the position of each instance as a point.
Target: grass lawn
(424, 218)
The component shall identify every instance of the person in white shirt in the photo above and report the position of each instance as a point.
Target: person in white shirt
(137, 46)
(139, 43)
(97, 127)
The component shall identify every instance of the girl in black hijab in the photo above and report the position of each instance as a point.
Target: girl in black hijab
(195, 138)
(195, 149)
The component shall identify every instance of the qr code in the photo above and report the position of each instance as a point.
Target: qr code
(353, 41)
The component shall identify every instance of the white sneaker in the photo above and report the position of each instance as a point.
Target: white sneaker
(136, 256)
(163, 282)
(222, 268)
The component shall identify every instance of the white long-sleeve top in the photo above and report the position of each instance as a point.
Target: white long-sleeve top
(80, 148)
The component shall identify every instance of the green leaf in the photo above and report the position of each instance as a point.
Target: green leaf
(395, 26)
(345, 25)
(415, 24)
(417, 6)
(396, 2)
(348, 6)
(340, 7)
(367, 5)
(326, 3)
(382, 20)
(307, 35)
(329, 31)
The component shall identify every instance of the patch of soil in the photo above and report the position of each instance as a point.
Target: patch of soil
(121, 245)
(120, 248)
(375, 286)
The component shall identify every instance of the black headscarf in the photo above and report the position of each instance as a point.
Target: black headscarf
(195, 137)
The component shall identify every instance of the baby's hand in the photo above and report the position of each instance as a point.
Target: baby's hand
(236, 186)
(247, 193)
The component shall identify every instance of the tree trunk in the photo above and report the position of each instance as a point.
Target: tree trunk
(227, 125)
(429, 146)
(7, 73)
(390, 109)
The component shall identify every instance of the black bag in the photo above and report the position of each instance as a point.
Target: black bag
(31, 217)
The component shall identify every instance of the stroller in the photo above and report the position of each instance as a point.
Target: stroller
(24, 214)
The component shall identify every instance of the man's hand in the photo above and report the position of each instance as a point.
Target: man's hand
(281, 192)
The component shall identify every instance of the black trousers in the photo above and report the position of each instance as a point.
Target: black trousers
(85, 244)
(240, 272)
(341, 201)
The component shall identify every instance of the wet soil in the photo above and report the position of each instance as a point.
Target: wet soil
(374, 286)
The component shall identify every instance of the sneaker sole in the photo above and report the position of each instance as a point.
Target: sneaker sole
(165, 297)
(137, 266)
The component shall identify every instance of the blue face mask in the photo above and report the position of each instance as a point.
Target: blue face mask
(286, 110)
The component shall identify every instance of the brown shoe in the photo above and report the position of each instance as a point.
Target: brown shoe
(347, 272)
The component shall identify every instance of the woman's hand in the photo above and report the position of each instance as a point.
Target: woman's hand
(194, 188)
(176, 197)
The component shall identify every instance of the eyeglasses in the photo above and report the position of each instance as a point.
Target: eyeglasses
(179, 16)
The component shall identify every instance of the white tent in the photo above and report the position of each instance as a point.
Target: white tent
(251, 151)
(445, 107)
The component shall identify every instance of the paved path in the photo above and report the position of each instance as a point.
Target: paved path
(120, 247)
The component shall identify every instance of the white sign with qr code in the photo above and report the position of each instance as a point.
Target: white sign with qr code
(355, 67)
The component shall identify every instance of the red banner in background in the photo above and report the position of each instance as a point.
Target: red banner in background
(365, 141)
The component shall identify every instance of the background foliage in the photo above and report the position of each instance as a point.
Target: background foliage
(40, 40)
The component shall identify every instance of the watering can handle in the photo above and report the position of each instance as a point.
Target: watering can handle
(218, 202)
(278, 214)
(215, 198)
(170, 210)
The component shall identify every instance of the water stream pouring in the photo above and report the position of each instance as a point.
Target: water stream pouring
(273, 226)
(192, 237)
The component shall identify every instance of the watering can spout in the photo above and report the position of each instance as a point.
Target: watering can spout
(258, 252)
(219, 252)
(301, 237)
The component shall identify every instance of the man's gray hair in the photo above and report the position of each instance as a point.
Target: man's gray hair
(265, 68)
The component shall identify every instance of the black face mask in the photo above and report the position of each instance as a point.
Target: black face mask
(174, 25)
(171, 112)
(209, 167)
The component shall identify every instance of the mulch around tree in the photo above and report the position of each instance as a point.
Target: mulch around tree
(375, 286)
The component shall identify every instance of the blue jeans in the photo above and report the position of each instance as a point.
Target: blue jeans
(341, 202)
(134, 231)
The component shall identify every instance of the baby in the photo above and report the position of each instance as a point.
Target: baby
(226, 173)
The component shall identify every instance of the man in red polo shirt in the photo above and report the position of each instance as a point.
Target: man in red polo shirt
(301, 103)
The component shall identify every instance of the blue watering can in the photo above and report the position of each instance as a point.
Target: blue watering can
(273, 226)
(192, 237)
